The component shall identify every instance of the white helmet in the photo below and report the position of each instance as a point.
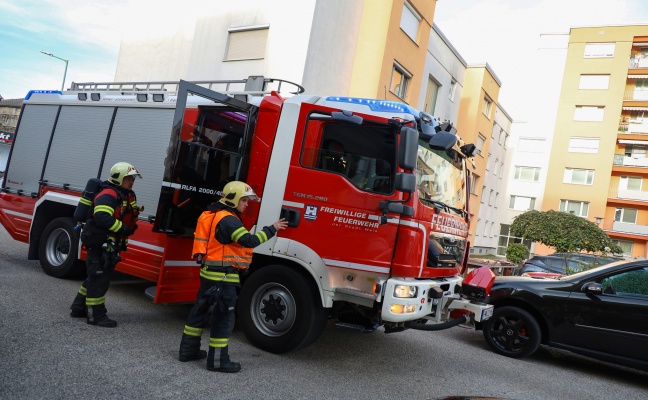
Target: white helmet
(120, 170)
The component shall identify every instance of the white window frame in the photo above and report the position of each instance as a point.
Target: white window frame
(453, 90)
(520, 170)
(621, 213)
(589, 113)
(568, 176)
(599, 50)
(594, 82)
(480, 143)
(583, 207)
(246, 43)
(521, 203)
(487, 106)
(579, 144)
(400, 88)
(622, 243)
(410, 21)
(625, 180)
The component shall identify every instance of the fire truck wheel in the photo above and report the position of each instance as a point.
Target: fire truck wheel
(280, 310)
(58, 249)
(512, 332)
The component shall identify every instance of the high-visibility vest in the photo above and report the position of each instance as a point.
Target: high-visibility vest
(216, 253)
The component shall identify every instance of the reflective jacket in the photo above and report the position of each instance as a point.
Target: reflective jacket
(114, 208)
(223, 240)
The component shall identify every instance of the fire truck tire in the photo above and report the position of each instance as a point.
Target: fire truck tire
(279, 309)
(512, 332)
(58, 249)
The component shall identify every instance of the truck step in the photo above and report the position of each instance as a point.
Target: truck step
(356, 327)
(150, 292)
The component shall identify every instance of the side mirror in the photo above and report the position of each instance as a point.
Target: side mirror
(592, 288)
(443, 141)
(405, 182)
(408, 149)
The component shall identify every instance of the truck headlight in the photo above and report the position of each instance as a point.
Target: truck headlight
(405, 291)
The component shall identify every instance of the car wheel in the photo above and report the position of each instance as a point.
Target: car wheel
(512, 332)
(280, 310)
(58, 249)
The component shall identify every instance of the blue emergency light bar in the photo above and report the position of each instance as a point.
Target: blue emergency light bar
(377, 105)
(42, 92)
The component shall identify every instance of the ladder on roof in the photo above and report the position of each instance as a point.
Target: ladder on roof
(250, 85)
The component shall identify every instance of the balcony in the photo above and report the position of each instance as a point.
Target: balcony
(625, 194)
(623, 161)
(635, 95)
(633, 127)
(624, 227)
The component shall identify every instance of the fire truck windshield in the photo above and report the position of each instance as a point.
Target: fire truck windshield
(440, 179)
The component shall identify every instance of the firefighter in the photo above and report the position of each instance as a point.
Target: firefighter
(223, 247)
(105, 235)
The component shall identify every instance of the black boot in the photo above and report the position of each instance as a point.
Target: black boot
(97, 316)
(78, 307)
(225, 364)
(190, 348)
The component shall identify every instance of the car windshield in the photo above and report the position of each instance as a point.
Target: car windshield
(581, 274)
(439, 178)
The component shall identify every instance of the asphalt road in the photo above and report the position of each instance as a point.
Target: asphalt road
(45, 354)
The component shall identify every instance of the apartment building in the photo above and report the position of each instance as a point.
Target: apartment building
(359, 48)
(9, 112)
(598, 161)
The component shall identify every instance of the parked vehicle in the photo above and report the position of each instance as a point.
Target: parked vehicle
(349, 175)
(600, 313)
(550, 266)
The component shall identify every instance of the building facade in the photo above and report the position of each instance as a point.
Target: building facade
(598, 161)
(9, 113)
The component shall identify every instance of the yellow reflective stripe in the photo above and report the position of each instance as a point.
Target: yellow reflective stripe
(202, 239)
(104, 208)
(262, 237)
(220, 276)
(191, 331)
(85, 201)
(133, 203)
(236, 235)
(116, 226)
(95, 301)
(83, 291)
(218, 342)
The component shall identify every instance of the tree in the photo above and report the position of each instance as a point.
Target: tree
(565, 232)
(516, 253)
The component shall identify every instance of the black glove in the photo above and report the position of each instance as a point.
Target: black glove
(125, 231)
(135, 228)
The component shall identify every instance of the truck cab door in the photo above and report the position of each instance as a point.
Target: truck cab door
(209, 146)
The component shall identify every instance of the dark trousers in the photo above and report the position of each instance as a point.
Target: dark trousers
(100, 265)
(223, 299)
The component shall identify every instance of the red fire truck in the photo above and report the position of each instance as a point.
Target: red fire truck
(375, 193)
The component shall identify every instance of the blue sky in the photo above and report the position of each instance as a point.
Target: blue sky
(88, 34)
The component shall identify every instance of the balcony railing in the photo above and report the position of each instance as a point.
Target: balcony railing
(624, 227)
(634, 127)
(623, 160)
(641, 63)
(635, 95)
(626, 194)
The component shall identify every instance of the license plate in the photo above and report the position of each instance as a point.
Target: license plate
(487, 313)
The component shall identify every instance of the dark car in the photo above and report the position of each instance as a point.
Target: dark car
(553, 265)
(601, 313)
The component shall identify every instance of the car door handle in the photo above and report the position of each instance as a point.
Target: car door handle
(291, 216)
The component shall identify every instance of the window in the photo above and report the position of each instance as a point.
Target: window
(594, 82)
(505, 239)
(496, 166)
(522, 203)
(630, 183)
(364, 155)
(487, 106)
(531, 145)
(491, 197)
(626, 246)
(248, 43)
(431, 96)
(501, 170)
(583, 145)
(492, 229)
(399, 81)
(496, 199)
(627, 215)
(599, 50)
(502, 138)
(486, 228)
(473, 183)
(479, 228)
(589, 113)
(635, 151)
(633, 284)
(488, 162)
(578, 176)
(496, 130)
(528, 174)
(480, 143)
(482, 193)
(453, 90)
(410, 21)
(579, 208)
